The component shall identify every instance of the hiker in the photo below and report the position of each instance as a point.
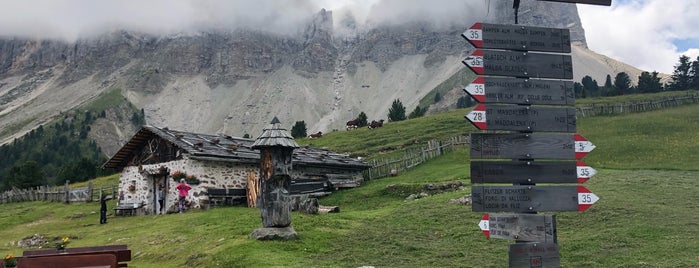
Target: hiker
(183, 190)
(159, 195)
(103, 208)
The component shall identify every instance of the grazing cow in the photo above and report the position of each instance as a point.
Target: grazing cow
(316, 135)
(353, 124)
(375, 124)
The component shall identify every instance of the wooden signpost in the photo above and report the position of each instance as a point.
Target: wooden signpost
(526, 198)
(527, 172)
(525, 157)
(535, 254)
(522, 118)
(520, 64)
(520, 227)
(591, 2)
(521, 91)
(529, 146)
(517, 37)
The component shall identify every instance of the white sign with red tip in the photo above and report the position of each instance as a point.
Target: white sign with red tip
(585, 198)
(475, 61)
(475, 34)
(477, 89)
(585, 172)
(477, 116)
(582, 145)
(485, 225)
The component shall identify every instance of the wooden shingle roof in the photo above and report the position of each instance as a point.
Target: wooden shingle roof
(225, 148)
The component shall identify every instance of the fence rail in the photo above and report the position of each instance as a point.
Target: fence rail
(57, 194)
(413, 157)
(635, 107)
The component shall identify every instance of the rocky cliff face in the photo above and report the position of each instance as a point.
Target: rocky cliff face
(235, 82)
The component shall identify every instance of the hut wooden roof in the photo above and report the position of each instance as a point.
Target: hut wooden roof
(225, 148)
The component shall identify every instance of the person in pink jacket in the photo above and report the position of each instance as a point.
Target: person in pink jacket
(183, 190)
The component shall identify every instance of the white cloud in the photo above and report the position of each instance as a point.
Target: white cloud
(642, 32)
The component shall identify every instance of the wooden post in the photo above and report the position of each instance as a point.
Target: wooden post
(67, 191)
(276, 146)
(253, 189)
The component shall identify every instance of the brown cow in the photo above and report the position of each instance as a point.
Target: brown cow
(375, 124)
(316, 135)
(353, 124)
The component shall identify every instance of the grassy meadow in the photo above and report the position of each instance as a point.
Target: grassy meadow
(647, 215)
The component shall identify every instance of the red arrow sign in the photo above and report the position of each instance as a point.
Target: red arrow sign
(477, 116)
(582, 146)
(475, 61)
(485, 225)
(475, 34)
(585, 172)
(477, 89)
(585, 198)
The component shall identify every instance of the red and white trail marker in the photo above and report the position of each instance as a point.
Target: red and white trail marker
(477, 116)
(485, 225)
(477, 89)
(582, 145)
(475, 61)
(584, 171)
(475, 34)
(585, 198)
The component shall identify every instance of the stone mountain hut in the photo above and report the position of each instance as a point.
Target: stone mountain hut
(218, 167)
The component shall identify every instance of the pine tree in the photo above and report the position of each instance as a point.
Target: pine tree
(418, 112)
(694, 73)
(622, 83)
(681, 78)
(299, 130)
(649, 83)
(397, 111)
(362, 120)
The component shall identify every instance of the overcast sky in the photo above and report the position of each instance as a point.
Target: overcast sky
(649, 34)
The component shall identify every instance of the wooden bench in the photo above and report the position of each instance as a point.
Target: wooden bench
(127, 207)
(227, 196)
(313, 187)
(102, 260)
(120, 253)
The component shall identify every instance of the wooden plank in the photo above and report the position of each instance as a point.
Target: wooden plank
(522, 118)
(528, 255)
(521, 227)
(521, 91)
(591, 2)
(69, 261)
(522, 146)
(520, 64)
(518, 37)
(530, 172)
(524, 198)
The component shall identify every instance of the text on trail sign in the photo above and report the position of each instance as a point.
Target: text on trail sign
(528, 172)
(521, 227)
(529, 146)
(520, 64)
(534, 254)
(522, 118)
(518, 37)
(522, 198)
(521, 91)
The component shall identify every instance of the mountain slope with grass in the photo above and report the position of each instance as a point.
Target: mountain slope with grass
(646, 216)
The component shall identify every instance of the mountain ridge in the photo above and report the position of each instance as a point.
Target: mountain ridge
(234, 82)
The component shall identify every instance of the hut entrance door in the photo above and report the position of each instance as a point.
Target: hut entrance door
(160, 186)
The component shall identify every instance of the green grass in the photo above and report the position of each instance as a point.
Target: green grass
(646, 215)
(634, 98)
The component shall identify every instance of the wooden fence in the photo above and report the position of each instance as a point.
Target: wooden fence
(413, 157)
(57, 194)
(635, 107)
